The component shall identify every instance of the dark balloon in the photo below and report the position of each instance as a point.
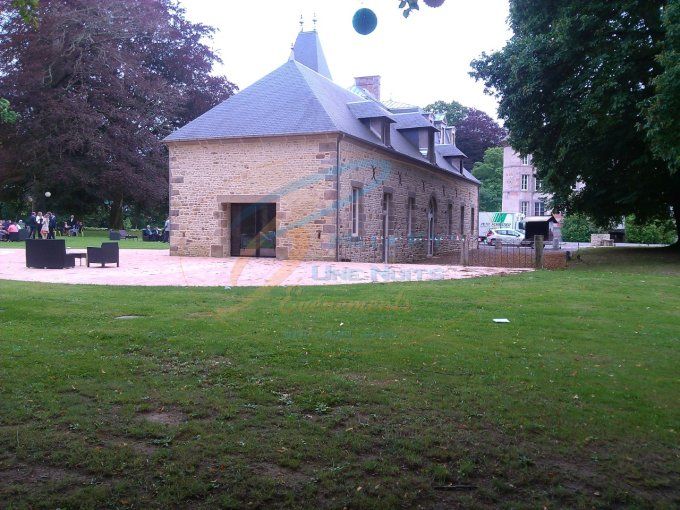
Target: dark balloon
(364, 21)
(434, 3)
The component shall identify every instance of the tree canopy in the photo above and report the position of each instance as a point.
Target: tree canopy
(96, 85)
(490, 174)
(663, 115)
(574, 85)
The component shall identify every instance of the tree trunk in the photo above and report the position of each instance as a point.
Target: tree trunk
(116, 214)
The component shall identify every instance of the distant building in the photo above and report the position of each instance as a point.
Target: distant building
(521, 188)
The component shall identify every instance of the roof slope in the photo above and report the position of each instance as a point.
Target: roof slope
(295, 100)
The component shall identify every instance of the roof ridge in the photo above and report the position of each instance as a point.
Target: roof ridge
(299, 67)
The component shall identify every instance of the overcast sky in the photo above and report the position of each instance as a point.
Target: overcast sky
(421, 59)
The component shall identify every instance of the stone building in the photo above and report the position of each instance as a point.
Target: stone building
(521, 188)
(298, 167)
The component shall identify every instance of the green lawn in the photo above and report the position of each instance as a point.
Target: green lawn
(366, 396)
(96, 238)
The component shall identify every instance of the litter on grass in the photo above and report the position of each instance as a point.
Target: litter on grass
(503, 321)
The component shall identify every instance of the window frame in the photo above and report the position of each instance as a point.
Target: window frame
(410, 209)
(539, 208)
(449, 217)
(524, 182)
(524, 207)
(356, 199)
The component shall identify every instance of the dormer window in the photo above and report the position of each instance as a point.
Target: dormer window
(386, 133)
(375, 117)
(381, 128)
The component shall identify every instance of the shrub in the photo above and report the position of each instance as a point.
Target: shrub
(659, 231)
(576, 228)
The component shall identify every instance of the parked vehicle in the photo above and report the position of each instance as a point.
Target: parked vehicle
(505, 236)
(497, 220)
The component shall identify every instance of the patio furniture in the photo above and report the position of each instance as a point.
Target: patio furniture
(125, 235)
(107, 254)
(114, 235)
(48, 254)
(78, 255)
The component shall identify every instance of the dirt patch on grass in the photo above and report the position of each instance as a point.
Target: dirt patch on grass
(281, 475)
(138, 447)
(23, 474)
(363, 379)
(165, 416)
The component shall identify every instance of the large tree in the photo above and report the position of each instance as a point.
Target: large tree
(663, 115)
(475, 130)
(96, 85)
(574, 84)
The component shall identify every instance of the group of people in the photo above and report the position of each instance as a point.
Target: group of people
(8, 227)
(154, 234)
(40, 226)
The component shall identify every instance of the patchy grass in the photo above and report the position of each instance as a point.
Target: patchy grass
(92, 240)
(258, 398)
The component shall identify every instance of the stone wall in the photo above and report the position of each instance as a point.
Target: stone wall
(298, 174)
(295, 172)
(369, 169)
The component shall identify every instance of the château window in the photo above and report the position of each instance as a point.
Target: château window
(356, 194)
(472, 221)
(449, 218)
(525, 160)
(539, 208)
(525, 182)
(411, 206)
(524, 208)
(537, 184)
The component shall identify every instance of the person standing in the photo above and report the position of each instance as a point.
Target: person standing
(31, 225)
(51, 225)
(166, 231)
(39, 220)
(44, 225)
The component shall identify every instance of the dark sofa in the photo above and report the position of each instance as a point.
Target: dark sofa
(48, 254)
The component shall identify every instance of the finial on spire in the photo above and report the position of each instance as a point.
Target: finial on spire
(302, 24)
(314, 21)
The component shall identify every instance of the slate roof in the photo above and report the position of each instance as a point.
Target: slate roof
(413, 120)
(295, 100)
(307, 50)
(449, 150)
(369, 110)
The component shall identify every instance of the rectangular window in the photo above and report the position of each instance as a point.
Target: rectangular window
(462, 219)
(525, 160)
(539, 208)
(525, 182)
(472, 221)
(537, 184)
(449, 218)
(524, 208)
(386, 133)
(356, 194)
(410, 208)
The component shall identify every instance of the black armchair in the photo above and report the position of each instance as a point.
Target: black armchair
(48, 254)
(107, 254)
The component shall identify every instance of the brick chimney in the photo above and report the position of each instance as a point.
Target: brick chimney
(370, 83)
